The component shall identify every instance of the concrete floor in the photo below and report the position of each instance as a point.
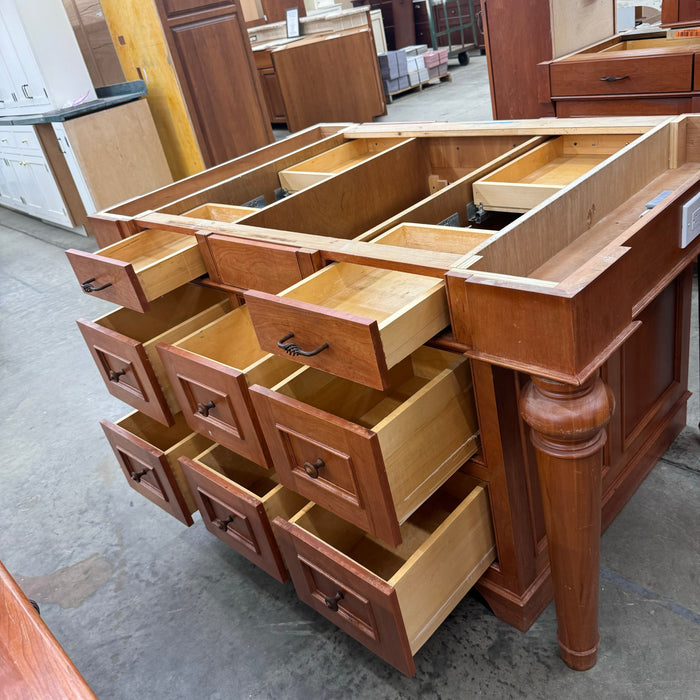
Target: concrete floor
(148, 608)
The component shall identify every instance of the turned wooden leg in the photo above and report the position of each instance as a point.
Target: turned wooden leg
(568, 433)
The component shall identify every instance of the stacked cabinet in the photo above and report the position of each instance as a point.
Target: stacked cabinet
(395, 382)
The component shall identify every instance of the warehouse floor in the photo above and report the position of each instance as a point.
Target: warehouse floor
(148, 608)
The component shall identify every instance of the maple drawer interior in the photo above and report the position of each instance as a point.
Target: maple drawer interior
(210, 371)
(123, 345)
(535, 176)
(447, 544)
(148, 454)
(220, 212)
(138, 269)
(445, 239)
(656, 43)
(335, 160)
(388, 315)
(425, 426)
(361, 197)
(238, 500)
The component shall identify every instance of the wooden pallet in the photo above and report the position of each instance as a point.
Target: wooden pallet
(446, 78)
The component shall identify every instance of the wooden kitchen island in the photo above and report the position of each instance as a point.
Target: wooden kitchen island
(339, 286)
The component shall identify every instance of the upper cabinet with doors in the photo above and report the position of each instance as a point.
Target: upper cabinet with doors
(41, 65)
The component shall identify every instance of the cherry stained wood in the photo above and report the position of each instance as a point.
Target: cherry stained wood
(653, 73)
(235, 516)
(126, 370)
(214, 63)
(369, 609)
(567, 425)
(345, 64)
(147, 464)
(32, 662)
(215, 401)
(680, 12)
(352, 481)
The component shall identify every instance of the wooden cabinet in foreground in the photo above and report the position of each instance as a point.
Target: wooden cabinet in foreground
(472, 352)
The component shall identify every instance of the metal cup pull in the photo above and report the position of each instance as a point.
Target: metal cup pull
(614, 78)
(88, 287)
(293, 349)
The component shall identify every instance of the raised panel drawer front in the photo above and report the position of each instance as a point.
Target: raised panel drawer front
(372, 457)
(139, 269)
(628, 75)
(392, 599)
(351, 320)
(148, 454)
(122, 343)
(238, 500)
(210, 371)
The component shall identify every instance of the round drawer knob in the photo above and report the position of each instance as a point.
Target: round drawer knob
(137, 476)
(332, 603)
(204, 408)
(312, 469)
(223, 524)
(114, 376)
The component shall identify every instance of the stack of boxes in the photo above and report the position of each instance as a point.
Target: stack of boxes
(411, 66)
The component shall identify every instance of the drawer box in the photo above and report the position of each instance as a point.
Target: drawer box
(535, 176)
(140, 268)
(210, 371)
(372, 456)
(148, 454)
(445, 239)
(359, 321)
(392, 599)
(238, 500)
(336, 160)
(228, 213)
(123, 343)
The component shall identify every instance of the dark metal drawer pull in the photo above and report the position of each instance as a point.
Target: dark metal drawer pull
(136, 476)
(312, 469)
(332, 603)
(223, 524)
(294, 350)
(204, 408)
(87, 286)
(114, 376)
(614, 78)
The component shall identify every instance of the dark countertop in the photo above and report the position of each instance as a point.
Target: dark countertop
(108, 96)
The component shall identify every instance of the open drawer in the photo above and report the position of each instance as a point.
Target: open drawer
(122, 343)
(139, 269)
(392, 599)
(528, 180)
(228, 213)
(372, 456)
(238, 500)
(148, 455)
(210, 371)
(444, 239)
(351, 320)
(336, 160)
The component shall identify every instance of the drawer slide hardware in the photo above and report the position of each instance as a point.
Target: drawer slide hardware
(204, 408)
(137, 476)
(89, 288)
(223, 524)
(312, 469)
(114, 376)
(614, 78)
(332, 603)
(294, 350)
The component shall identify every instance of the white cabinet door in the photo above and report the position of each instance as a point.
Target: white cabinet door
(9, 186)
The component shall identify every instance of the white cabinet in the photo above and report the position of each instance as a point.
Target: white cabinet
(41, 67)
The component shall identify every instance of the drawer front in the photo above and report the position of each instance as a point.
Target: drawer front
(360, 603)
(235, 517)
(353, 346)
(330, 461)
(252, 265)
(126, 370)
(108, 279)
(215, 401)
(626, 76)
(147, 471)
